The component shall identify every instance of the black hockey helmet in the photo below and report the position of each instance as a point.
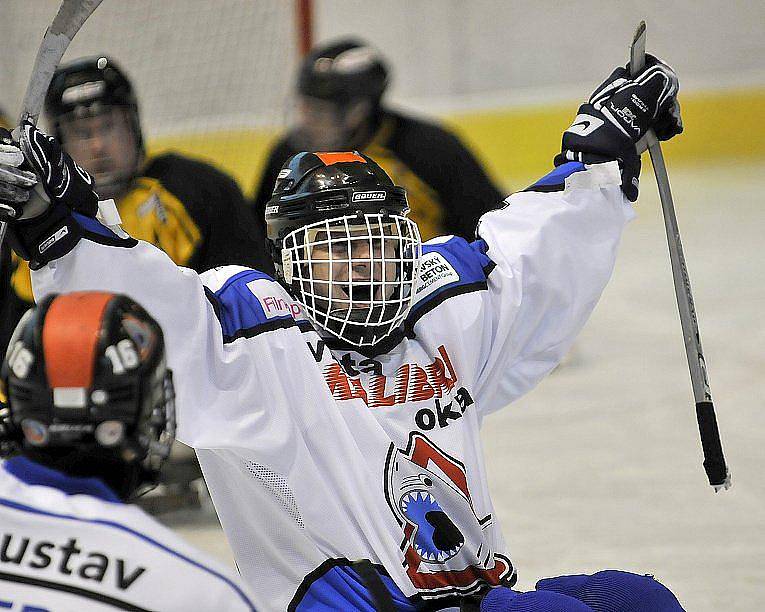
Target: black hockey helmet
(315, 186)
(87, 86)
(343, 203)
(343, 70)
(85, 376)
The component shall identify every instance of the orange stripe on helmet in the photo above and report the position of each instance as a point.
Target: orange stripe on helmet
(70, 335)
(336, 158)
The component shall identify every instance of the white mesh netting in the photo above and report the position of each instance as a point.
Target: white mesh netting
(212, 78)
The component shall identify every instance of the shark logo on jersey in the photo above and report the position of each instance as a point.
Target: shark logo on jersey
(445, 549)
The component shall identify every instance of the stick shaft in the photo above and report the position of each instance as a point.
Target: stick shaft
(71, 15)
(714, 460)
(686, 308)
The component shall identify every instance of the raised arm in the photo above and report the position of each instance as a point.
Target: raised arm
(70, 250)
(554, 253)
(548, 254)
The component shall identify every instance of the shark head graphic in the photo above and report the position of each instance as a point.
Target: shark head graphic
(427, 491)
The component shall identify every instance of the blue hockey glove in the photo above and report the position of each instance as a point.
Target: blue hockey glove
(63, 180)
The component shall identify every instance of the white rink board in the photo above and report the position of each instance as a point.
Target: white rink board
(600, 466)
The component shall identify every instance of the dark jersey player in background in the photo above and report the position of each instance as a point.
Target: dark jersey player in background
(5, 264)
(193, 212)
(340, 88)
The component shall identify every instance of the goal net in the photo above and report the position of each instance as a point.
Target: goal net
(212, 78)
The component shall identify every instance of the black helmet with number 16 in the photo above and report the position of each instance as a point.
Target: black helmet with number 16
(88, 390)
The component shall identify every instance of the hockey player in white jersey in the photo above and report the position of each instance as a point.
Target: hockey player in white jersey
(336, 409)
(89, 421)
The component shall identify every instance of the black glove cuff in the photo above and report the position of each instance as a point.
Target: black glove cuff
(630, 166)
(45, 238)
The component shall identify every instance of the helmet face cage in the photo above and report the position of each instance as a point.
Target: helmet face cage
(354, 275)
(156, 429)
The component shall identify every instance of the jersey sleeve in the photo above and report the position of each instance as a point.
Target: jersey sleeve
(230, 350)
(551, 252)
(15, 295)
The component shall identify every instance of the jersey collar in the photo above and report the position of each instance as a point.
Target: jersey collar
(32, 473)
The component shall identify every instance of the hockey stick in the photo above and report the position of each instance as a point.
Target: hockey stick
(67, 22)
(714, 461)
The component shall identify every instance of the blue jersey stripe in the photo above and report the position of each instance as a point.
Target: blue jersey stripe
(338, 586)
(556, 178)
(33, 473)
(560, 174)
(239, 310)
(94, 226)
(470, 262)
(24, 508)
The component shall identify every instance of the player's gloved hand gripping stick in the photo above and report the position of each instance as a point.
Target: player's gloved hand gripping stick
(71, 15)
(41, 223)
(636, 105)
(714, 460)
(618, 114)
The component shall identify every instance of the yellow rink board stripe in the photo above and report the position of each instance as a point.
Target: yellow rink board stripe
(519, 143)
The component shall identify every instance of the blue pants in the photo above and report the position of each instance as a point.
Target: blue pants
(606, 591)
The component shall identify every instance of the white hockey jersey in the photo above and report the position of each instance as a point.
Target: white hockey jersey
(69, 545)
(317, 456)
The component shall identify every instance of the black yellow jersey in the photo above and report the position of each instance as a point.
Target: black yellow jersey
(193, 212)
(448, 190)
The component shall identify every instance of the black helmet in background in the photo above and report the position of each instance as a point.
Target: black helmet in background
(343, 70)
(88, 390)
(93, 110)
(340, 86)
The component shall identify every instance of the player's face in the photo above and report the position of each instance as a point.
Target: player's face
(327, 126)
(104, 144)
(361, 268)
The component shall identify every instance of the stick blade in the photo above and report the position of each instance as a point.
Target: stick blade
(71, 15)
(639, 32)
(637, 62)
